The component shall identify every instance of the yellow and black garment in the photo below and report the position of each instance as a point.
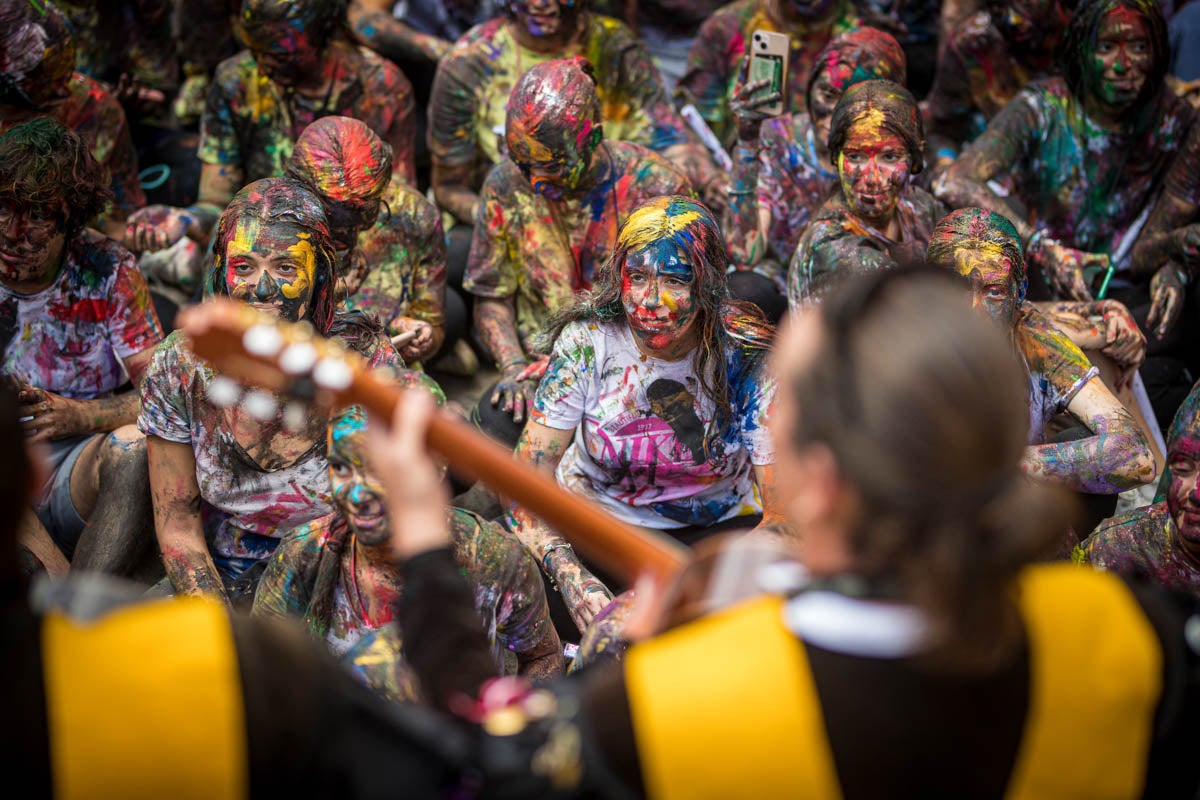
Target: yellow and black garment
(745, 715)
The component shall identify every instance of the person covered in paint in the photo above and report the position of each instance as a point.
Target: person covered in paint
(38, 79)
(989, 57)
(387, 236)
(227, 484)
(468, 107)
(781, 165)
(337, 574)
(926, 610)
(1085, 152)
(1159, 543)
(876, 217)
(548, 219)
(985, 249)
(76, 325)
(714, 63)
(299, 65)
(653, 404)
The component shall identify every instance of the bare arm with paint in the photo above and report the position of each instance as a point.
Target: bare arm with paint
(773, 516)
(372, 20)
(585, 596)
(1104, 325)
(176, 496)
(452, 190)
(496, 323)
(747, 226)
(1115, 458)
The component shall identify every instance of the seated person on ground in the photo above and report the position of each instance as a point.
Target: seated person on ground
(387, 236)
(548, 219)
(876, 217)
(230, 479)
(468, 118)
(1160, 543)
(782, 172)
(653, 404)
(38, 79)
(338, 574)
(985, 249)
(76, 326)
(300, 65)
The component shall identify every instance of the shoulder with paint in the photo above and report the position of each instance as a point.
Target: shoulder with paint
(408, 209)
(1125, 537)
(1039, 340)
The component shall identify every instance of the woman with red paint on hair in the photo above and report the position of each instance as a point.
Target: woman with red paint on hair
(653, 404)
(781, 166)
(877, 217)
(229, 481)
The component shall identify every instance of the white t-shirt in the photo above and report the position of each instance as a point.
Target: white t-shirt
(644, 444)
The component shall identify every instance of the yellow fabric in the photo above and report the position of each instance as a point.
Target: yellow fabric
(145, 702)
(740, 719)
(1096, 677)
(726, 707)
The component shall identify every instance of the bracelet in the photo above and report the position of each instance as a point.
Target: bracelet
(522, 361)
(547, 550)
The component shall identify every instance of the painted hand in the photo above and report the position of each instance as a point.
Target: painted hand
(748, 105)
(1064, 268)
(1166, 296)
(584, 595)
(536, 370)
(1124, 341)
(156, 227)
(51, 416)
(513, 393)
(417, 348)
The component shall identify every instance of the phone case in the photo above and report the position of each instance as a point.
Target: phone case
(769, 60)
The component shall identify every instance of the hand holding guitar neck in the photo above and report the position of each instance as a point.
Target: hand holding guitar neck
(292, 361)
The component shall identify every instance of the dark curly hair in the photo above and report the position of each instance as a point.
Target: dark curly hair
(48, 170)
(1080, 45)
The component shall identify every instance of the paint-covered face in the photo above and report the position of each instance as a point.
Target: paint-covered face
(553, 154)
(874, 166)
(822, 100)
(990, 274)
(359, 497)
(286, 55)
(1122, 60)
(553, 20)
(657, 291)
(31, 244)
(271, 266)
(348, 220)
(1183, 491)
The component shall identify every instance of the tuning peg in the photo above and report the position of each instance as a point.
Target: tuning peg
(297, 358)
(295, 415)
(223, 392)
(260, 405)
(332, 373)
(262, 340)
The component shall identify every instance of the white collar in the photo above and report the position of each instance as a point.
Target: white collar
(856, 627)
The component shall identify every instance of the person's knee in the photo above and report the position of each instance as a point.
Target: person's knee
(494, 421)
(124, 454)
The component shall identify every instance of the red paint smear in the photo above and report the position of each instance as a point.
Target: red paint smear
(87, 310)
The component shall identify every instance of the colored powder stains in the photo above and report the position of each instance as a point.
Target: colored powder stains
(306, 259)
(1143, 545)
(859, 55)
(343, 160)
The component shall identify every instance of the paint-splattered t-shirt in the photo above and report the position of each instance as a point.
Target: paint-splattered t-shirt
(792, 183)
(71, 337)
(1141, 544)
(645, 446)
(977, 75)
(1057, 368)
(542, 252)
(251, 122)
(470, 92)
(404, 257)
(310, 576)
(93, 113)
(244, 508)
(716, 56)
(1084, 185)
(837, 243)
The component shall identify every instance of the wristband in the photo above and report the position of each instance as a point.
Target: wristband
(547, 551)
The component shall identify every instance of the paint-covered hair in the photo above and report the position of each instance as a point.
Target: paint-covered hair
(1079, 46)
(1187, 419)
(861, 54)
(978, 229)
(286, 201)
(48, 169)
(342, 159)
(37, 54)
(921, 401)
(554, 108)
(670, 223)
(261, 20)
(897, 109)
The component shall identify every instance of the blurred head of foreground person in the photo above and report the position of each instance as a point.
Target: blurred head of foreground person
(899, 429)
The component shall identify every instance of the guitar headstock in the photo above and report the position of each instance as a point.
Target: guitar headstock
(286, 359)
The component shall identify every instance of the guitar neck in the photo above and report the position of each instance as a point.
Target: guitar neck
(621, 549)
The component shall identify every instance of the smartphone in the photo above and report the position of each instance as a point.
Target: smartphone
(769, 61)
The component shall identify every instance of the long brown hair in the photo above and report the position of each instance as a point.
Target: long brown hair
(922, 402)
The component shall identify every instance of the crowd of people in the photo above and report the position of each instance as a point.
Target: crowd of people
(898, 350)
